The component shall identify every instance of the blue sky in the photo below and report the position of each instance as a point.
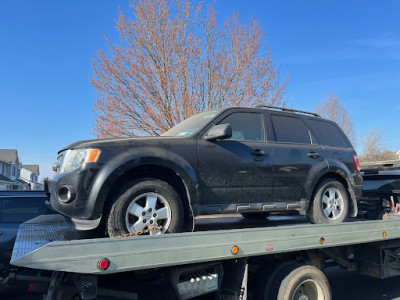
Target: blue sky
(350, 48)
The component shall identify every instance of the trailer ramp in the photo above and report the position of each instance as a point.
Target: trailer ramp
(41, 231)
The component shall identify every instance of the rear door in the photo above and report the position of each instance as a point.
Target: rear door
(295, 157)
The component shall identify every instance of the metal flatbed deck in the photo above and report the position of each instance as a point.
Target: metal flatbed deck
(145, 252)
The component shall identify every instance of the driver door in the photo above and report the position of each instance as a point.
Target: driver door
(238, 169)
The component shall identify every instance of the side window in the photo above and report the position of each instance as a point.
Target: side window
(327, 133)
(245, 126)
(290, 130)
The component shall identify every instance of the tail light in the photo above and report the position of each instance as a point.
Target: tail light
(103, 264)
(356, 162)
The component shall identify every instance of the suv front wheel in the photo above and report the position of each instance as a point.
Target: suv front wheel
(143, 206)
(330, 203)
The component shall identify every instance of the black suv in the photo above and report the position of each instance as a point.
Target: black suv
(251, 161)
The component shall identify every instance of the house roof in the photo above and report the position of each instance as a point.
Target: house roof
(9, 156)
(4, 179)
(32, 168)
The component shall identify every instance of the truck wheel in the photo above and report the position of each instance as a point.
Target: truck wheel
(143, 204)
(266, 279)
(255, 215)
(299, 282)
(330, 203)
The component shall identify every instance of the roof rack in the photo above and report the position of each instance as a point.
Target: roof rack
(287, 109)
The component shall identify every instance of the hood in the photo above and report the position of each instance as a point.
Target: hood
(107, 142)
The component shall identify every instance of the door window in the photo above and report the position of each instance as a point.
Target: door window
(290, 130)
(245, 126)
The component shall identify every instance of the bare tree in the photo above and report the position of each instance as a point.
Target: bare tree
(172, 60)
(333, 109)
(373, 149)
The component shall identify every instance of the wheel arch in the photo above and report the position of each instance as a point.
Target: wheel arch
(339, 176)
(116, 174)
(157, 172)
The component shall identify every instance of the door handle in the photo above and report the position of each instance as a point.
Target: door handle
(313, 154)
(258, 152)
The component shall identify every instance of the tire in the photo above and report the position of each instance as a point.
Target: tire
(266, 279)
(142, 204)
(330, 203)
(297, 281)
(255, 215)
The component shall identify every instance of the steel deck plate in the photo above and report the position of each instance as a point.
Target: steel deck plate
(40, 231)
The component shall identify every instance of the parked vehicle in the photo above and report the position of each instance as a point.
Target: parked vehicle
(381, 187)
(248, 160)
(17, 207)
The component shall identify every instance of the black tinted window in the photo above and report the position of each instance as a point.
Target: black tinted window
(327, 133)
(18, 210)
(245, 126)
(290, 130)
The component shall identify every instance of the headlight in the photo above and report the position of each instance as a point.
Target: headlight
(71, 160)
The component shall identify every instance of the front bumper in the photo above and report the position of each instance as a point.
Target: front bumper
(77, 204)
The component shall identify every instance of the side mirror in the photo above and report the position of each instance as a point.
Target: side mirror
(219, 132)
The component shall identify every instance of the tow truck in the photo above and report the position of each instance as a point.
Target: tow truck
(273, 262)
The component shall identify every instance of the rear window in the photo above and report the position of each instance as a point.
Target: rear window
(327, 133)
(19, 210)
(290, 130)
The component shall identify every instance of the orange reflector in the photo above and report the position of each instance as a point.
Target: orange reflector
(235, 250)
(103, 264)
(384, 234)
(92, 155)
(321, 240)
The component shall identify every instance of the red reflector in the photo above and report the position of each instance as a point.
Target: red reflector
(31, 287)
(103, 264)
(356, 162)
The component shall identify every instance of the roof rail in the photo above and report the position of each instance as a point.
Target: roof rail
(287, 109)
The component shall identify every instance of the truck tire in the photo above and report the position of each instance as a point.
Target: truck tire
(266, 278)
(296, 281)
(143, 204)
(255, 215)
(330, 203)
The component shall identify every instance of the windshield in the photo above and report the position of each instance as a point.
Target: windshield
(192, 124)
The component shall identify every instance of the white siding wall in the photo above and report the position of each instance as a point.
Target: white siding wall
(25, 175)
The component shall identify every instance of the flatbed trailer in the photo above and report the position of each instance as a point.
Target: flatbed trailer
(282, 262)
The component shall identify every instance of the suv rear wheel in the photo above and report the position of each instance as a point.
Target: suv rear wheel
(330, 203)
(145, 204)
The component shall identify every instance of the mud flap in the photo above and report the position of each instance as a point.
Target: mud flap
(234, 282)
